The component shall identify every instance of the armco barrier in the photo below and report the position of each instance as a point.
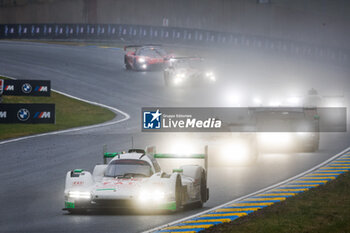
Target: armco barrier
(171, 35)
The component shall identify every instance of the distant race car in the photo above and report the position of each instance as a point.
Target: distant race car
(187, 70)
(145, 57)
(135, 180)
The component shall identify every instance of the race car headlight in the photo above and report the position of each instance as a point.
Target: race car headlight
(144, 196)
(233, 99)
(180, 75)
(151, 195)
(294, 101)
(158, 195)
(211, 76)
(79, 194)
(208, 74)
(274, 103)
(305, 134)
(257, 100)
(141, 60)
(177, 80)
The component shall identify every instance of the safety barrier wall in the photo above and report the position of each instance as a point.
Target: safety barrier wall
(311, 21)
(171, 35)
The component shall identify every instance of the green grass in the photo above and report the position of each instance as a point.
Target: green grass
(323, 209)
(69, 113)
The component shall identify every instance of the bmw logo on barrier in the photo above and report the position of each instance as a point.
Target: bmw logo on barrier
(23, 114)
(26, 88)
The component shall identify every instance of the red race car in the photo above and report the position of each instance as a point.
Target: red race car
(145, 57)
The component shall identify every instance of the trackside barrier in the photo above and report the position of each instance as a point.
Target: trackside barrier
(25, 113)
(160, 34)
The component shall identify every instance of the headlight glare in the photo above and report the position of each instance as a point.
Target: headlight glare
(151, 195)
(208, 74)
(141, 60)
(158, 195)
(237, 151)
(257, 100)
(180, 75)
(177, 80)
(293, 100)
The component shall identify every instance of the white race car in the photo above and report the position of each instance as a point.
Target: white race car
(135, 180)
(182, 71)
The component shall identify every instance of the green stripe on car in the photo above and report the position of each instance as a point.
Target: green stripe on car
(179, 156)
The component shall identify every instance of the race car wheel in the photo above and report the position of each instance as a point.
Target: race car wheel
(204, 188)
(178, 193)
(204, 192)
(127, 65)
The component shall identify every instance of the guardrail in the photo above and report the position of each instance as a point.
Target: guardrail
(175, 35)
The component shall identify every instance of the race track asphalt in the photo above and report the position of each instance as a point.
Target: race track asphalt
(33, 170)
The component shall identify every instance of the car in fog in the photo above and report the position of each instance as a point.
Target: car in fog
(145, 57)
(134, 180)
(182, 71)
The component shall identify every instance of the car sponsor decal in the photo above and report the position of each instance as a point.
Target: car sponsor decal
(78, 183)
(112, 184)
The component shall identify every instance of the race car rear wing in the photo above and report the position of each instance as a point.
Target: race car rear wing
(139, 46)
(152, 151)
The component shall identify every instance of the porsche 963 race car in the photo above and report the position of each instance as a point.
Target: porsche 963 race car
(135, 180)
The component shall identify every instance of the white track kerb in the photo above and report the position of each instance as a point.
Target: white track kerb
(318, 175)
(112, 122)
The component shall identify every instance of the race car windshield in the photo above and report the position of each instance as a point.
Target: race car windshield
(128, 168)
(149, 52)
(161, 52)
